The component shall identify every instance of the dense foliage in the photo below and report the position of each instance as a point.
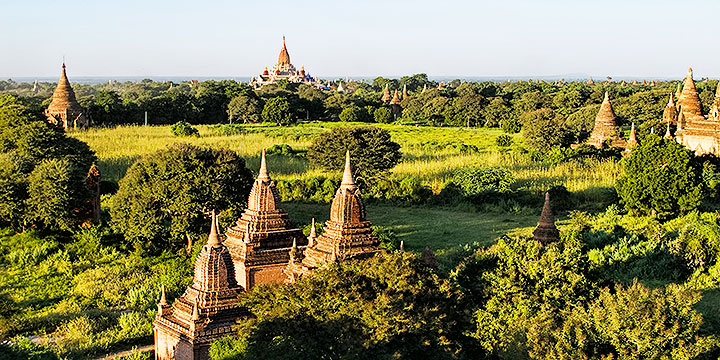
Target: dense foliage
(166, 196)
(661, 177)
(371, 149)
(182, 128)
(42, 171)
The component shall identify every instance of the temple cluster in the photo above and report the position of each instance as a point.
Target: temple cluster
(284, 69)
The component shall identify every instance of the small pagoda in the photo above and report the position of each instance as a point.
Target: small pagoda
(261, 239)
(606, 129)
(206, 311)
(546, 231)
(348, 234)
(64, 110)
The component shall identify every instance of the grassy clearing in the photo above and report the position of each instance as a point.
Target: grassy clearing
(441, 229)
(429, 153)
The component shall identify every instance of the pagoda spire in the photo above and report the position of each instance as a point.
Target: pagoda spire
(163, 299)
(263, 173)
(214, 238)
(404, 95)
(313, 233)
(395, 100)
(668, 135)
(633, 139)
(546, 232)
(348, 180)
(195, 313)
(689, 101)
(717, 91)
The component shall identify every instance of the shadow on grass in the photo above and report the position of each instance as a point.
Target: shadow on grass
(113, 169)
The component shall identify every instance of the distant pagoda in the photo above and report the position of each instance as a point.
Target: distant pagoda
(546, 231)
(64, 110)
(208, 309)
(348, 234)
(262, 237)
(606, 129)
(284, 70)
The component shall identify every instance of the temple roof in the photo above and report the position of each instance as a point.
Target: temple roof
(404, 93)
(689, 100)
(670, 113)
(606, 113)
(546, 232)
(395, 100)
(386, 94)
(347, 206)
(284, 57)
(64, 97)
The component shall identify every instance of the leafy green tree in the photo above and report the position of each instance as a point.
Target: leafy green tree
(497, 112)
(382, 115)
(544, 129)
(389, 306)
(350, 114)
(474, 181)
(465, 110)
(182, 128)
(54, 195)
(277, 110)
(661, 177)
(371, 149)
(166, 196)
(245, 107)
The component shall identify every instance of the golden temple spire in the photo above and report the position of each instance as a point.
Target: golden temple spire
(163, 300)
(284, 57)
(404, 95)
(668, 135)
(214, 238)
(195, 313)
(313, 233)
(348, 180)
(263, 173)
(633, 139)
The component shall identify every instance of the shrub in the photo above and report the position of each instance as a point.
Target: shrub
(478, 180)
(281, 149)
(504, 140)
(182, 128)
(468, 148)
(351, 114)
(371, 149)
(660, 178)
(388, 239)
(511, 125)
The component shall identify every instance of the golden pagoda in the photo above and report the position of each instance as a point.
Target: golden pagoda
(284, 69)
(64, 110)
(606, 128)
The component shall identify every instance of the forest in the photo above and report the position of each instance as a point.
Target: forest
(458, 177)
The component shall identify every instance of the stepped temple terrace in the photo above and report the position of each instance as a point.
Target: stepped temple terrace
(261, 240)
(284, 70)
(64, 110)
(206, 311)
(698, 132)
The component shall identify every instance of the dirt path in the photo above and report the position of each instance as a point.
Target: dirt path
(126, 352)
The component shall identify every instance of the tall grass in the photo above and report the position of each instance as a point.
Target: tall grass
(431, 154)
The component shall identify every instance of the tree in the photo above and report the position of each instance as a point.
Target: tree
(245, 107)
(465, 110)
(277, 110)
(166, 196)
(371, 149)
(42, 179)
(497, 112)
(543, 129)
(389, 306)
(661, 177)
(382, 115)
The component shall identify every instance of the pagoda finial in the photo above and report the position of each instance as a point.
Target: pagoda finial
(607, 97)
(690, 72)
(671, 102)
(263, 173)
(163, 300)
(348, 180)
(195, 313)
(313, 233)
(402, 245)
(214, 238)
(633, 139)
(668, 135)
(404, 94)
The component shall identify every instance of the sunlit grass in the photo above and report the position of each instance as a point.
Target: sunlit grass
(429, 153)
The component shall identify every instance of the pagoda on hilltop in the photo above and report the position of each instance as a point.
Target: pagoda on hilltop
(694, 130)
(284, 69)
(606, 129)
(261, 239)
(348, 234)
(208, 309)
(64, 110)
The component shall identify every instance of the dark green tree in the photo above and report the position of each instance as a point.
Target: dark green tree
(246, 108)
(661, 177)
(382, 115)
(371, 149)
(544, 129)
(277, 110)
(166, 196)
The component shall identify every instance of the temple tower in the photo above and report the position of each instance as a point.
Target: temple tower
(206, 311)
(632, 141)
(386, 95)
(696, 131)
(395, 104)
(261, 238)
(348, 234)
(670, 113)
(64, 110)
(605, 126)
(546, 232)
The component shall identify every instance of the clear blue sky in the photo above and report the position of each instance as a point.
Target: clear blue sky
(648, 38)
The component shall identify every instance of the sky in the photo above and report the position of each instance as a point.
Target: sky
(639, 38)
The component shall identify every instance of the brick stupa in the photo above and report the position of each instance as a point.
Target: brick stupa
(206, 311)
(546, 232)
(260, 240)
(348, 234)
(606, 129)
(64, 110)
(694, 130)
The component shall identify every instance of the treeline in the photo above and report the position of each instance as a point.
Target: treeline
(456, 103)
